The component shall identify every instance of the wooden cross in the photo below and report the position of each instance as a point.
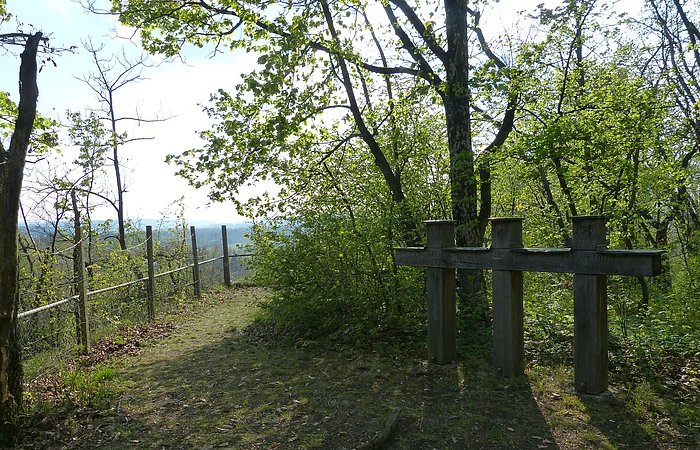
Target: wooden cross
(589, 260)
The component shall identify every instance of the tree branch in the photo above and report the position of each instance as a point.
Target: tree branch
(379, 157)
(427, 34)
(482, 40)
(426, 71)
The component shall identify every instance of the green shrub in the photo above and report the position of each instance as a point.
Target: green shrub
(332, 279)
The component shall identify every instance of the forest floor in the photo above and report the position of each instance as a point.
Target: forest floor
(217, 379)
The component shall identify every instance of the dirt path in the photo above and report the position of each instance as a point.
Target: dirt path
(218, 382)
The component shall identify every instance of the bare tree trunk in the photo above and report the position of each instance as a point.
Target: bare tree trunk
(118, 177)
(11, 174)
(110, 75)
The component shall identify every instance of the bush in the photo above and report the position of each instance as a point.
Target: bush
(334, 278)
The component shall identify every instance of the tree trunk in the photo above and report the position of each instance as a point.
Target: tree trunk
(118, 176)
(15, 370)
(663, 282)
(457, 101)
(11, 174)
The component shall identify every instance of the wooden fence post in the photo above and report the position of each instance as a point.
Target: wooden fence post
(80, 278)
(507, 288)
(590, 311)
(195, 265)
(151, 274)
(227, 266)
(442, 313)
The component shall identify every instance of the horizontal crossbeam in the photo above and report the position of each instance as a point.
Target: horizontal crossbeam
(592, 262)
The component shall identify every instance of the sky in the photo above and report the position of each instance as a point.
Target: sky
(171, 89)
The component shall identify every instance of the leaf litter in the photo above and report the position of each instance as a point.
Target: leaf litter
(218, 379)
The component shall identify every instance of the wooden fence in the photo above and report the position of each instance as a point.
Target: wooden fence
(588, 259)
(63, 324)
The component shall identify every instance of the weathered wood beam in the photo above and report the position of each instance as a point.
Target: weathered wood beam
(442, 309)
(590, 312)
(507, 291)
(591, 262)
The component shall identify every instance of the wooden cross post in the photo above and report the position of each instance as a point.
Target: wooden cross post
(590, 311)
(442, 310)
(589, 260)
(507, 293)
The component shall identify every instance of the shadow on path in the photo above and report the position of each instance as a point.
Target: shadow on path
(221, 382)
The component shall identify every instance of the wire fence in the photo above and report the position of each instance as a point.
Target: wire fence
(50, 333)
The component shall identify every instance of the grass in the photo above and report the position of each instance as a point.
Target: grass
(219, 380)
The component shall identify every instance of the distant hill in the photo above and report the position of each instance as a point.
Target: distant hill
(142, 223)
(208, 232)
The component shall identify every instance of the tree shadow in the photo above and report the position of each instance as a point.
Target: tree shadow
(641, 416)
(220, 382)
(240, 390)
(609, 415)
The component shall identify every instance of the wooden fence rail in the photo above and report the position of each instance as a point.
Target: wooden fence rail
(81, 298)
